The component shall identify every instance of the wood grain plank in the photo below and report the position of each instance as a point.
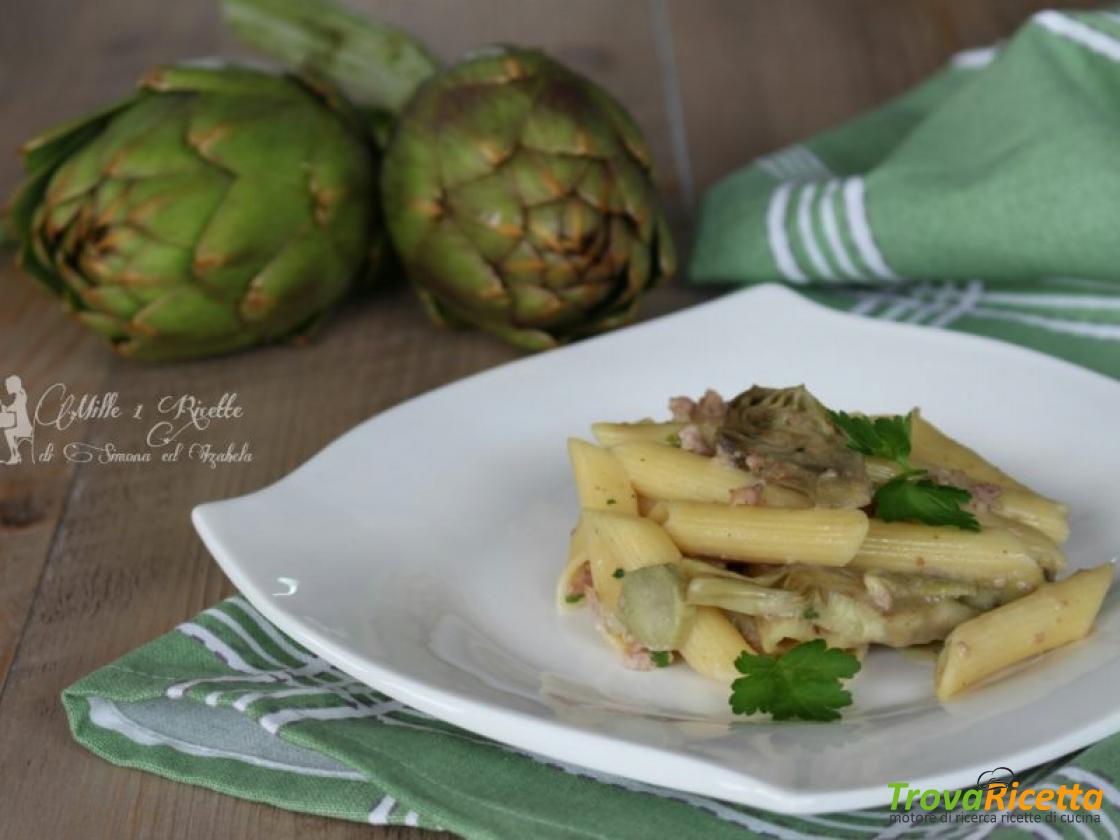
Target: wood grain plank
(36, 341)
(32, 496)
(128, 566)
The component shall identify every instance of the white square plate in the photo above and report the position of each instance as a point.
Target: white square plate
(419, 553)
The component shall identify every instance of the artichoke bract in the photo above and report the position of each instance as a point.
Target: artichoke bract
(217, 208)
(519, 197)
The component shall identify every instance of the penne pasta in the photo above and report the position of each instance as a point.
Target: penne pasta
(925, 623)
(612, 434)
(819, 536)
(665, 472)
(1016, 503)
(1054, 615)
(993, 556)
(577, 559)
(837, 527)
(930, 444)
(713, 644)
(601, 482)
(646, 504)
(619, 541)
(1043, 550)
(775, 635)
(1040, 513)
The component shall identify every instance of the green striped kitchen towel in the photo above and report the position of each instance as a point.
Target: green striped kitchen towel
(229, 702)
(986, 199)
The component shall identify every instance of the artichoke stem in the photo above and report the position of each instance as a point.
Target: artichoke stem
(377, 65)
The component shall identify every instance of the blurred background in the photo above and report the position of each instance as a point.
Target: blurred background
(97, 558)
(713, 83)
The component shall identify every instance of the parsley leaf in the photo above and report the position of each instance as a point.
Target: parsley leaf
(881, 437)
(907, 496)
(575, 598)
(804, 682)
(618, 573)
(673, 439)
(924, 501)
(809, 613)
(662, 658)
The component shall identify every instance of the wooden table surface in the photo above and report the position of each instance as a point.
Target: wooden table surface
(96, 559)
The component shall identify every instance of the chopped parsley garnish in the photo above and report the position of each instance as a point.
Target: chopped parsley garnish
(925, 501)
(662, 658)
(611, 502)
(618, 573)
(809, 613)
(573, 599)
(802, 683)
(673, 439)
(881, 437)
(909, 496)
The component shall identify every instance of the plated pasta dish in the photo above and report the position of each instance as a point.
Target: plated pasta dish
(767, 541)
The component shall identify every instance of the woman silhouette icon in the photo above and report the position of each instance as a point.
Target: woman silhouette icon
(15, 421)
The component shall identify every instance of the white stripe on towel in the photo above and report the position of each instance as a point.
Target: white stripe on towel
(805, 227)
(776, 234)
(1075, 30)
(832, 231)
(273, 722)
(106, 715)
(856, 209)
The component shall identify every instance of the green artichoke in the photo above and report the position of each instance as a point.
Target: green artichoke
(217, 208)
(519, 197)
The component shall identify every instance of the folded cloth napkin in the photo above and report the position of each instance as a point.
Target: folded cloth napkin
(986, 199)
(229, 702)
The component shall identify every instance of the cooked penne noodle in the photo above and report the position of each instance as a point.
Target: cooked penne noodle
(577, 559)
(713, 644)
(612, 434)
(1053, 615)
(1038, 545)
(928, 443)
(620, 541)
(775, 635)
(820, 536)
(1012, 502)
(665, 472)
(922, 624)
(681, 551)
(601, 482)
(702, 568)
(993, 556)
(1040, 513)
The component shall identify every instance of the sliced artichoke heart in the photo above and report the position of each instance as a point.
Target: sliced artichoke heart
(790, 432)
(742, 596)
(653, 606)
